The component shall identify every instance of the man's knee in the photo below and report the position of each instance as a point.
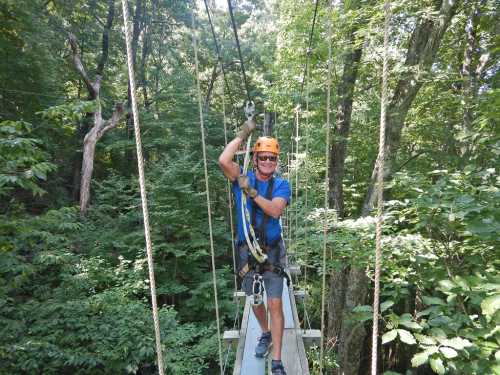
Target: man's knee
(275, 304)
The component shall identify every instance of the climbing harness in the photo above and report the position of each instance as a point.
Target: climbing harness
(261, 239)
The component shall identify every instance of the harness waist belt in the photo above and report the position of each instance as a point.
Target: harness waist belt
(268, 246)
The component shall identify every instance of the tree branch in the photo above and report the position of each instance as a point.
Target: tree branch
(105, 37)
(113, 122)
(92, 89)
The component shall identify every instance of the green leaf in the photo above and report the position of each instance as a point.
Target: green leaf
(438, 333)
(437, 366)
(385, 305)
(389, 336)
(491, 305)
(456, 343)
(363, 308)
(406, 337)
(419, 359)
(448, 352)
(433, 301)
(426, 340)
(411, 325)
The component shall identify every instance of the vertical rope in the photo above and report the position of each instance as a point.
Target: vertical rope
(228, 187)
(296, 170)
(288, 209)
(327, 177)
(142, 185)
(293, 210)
(306, 198)
(380, 191)
(209, 210)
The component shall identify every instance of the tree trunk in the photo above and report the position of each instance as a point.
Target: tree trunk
(89, 144)
(99, 126)
(338, 150)
(423, 46)
(340, 291)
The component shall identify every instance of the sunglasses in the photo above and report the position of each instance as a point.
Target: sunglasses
(270, 158)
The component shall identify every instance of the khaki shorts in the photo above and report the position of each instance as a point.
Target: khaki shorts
(273, 283)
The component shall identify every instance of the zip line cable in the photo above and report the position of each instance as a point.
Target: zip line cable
(142, 184)
(380, 189)
(327, 177)
(205, 168)
(217, 49)
(239, 49)
(309, 50)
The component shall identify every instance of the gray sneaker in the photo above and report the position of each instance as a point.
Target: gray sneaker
(265, 342)
(277, 368)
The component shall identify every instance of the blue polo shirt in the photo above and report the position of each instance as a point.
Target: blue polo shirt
(281, 188)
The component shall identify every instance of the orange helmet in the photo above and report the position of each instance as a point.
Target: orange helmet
(267, 144)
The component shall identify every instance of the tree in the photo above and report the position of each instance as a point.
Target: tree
(99, 125)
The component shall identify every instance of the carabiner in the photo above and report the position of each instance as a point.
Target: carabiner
(257, 289)
(250, 110)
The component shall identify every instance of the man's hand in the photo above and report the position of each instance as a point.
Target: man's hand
(246, 129)
(244, 185)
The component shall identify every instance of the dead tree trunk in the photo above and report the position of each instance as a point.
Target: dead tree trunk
(99, 126)
(422, 49)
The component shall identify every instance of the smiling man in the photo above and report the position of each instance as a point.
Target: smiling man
(267, 196)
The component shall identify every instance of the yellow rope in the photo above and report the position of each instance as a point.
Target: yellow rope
(142, 184)
(380, 191)
(209, 210)
(327, 157)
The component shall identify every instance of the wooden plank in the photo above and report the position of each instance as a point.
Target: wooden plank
(289, 353)
(301, 351)
(231, 337)
(241, 344)
(293, 351)
(251, 364)
(311, 337)
(287, 307)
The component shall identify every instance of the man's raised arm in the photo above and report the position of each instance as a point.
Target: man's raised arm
(229, 167)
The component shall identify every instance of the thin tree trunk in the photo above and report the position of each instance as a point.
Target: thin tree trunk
(338, 150)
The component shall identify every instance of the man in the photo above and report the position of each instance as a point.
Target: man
(267, 197)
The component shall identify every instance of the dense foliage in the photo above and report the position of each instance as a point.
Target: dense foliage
(74, 288)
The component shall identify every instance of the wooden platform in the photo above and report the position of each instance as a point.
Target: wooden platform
(293, 352)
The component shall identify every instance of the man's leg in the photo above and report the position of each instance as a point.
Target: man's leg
(261, 315)
(275, 306)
